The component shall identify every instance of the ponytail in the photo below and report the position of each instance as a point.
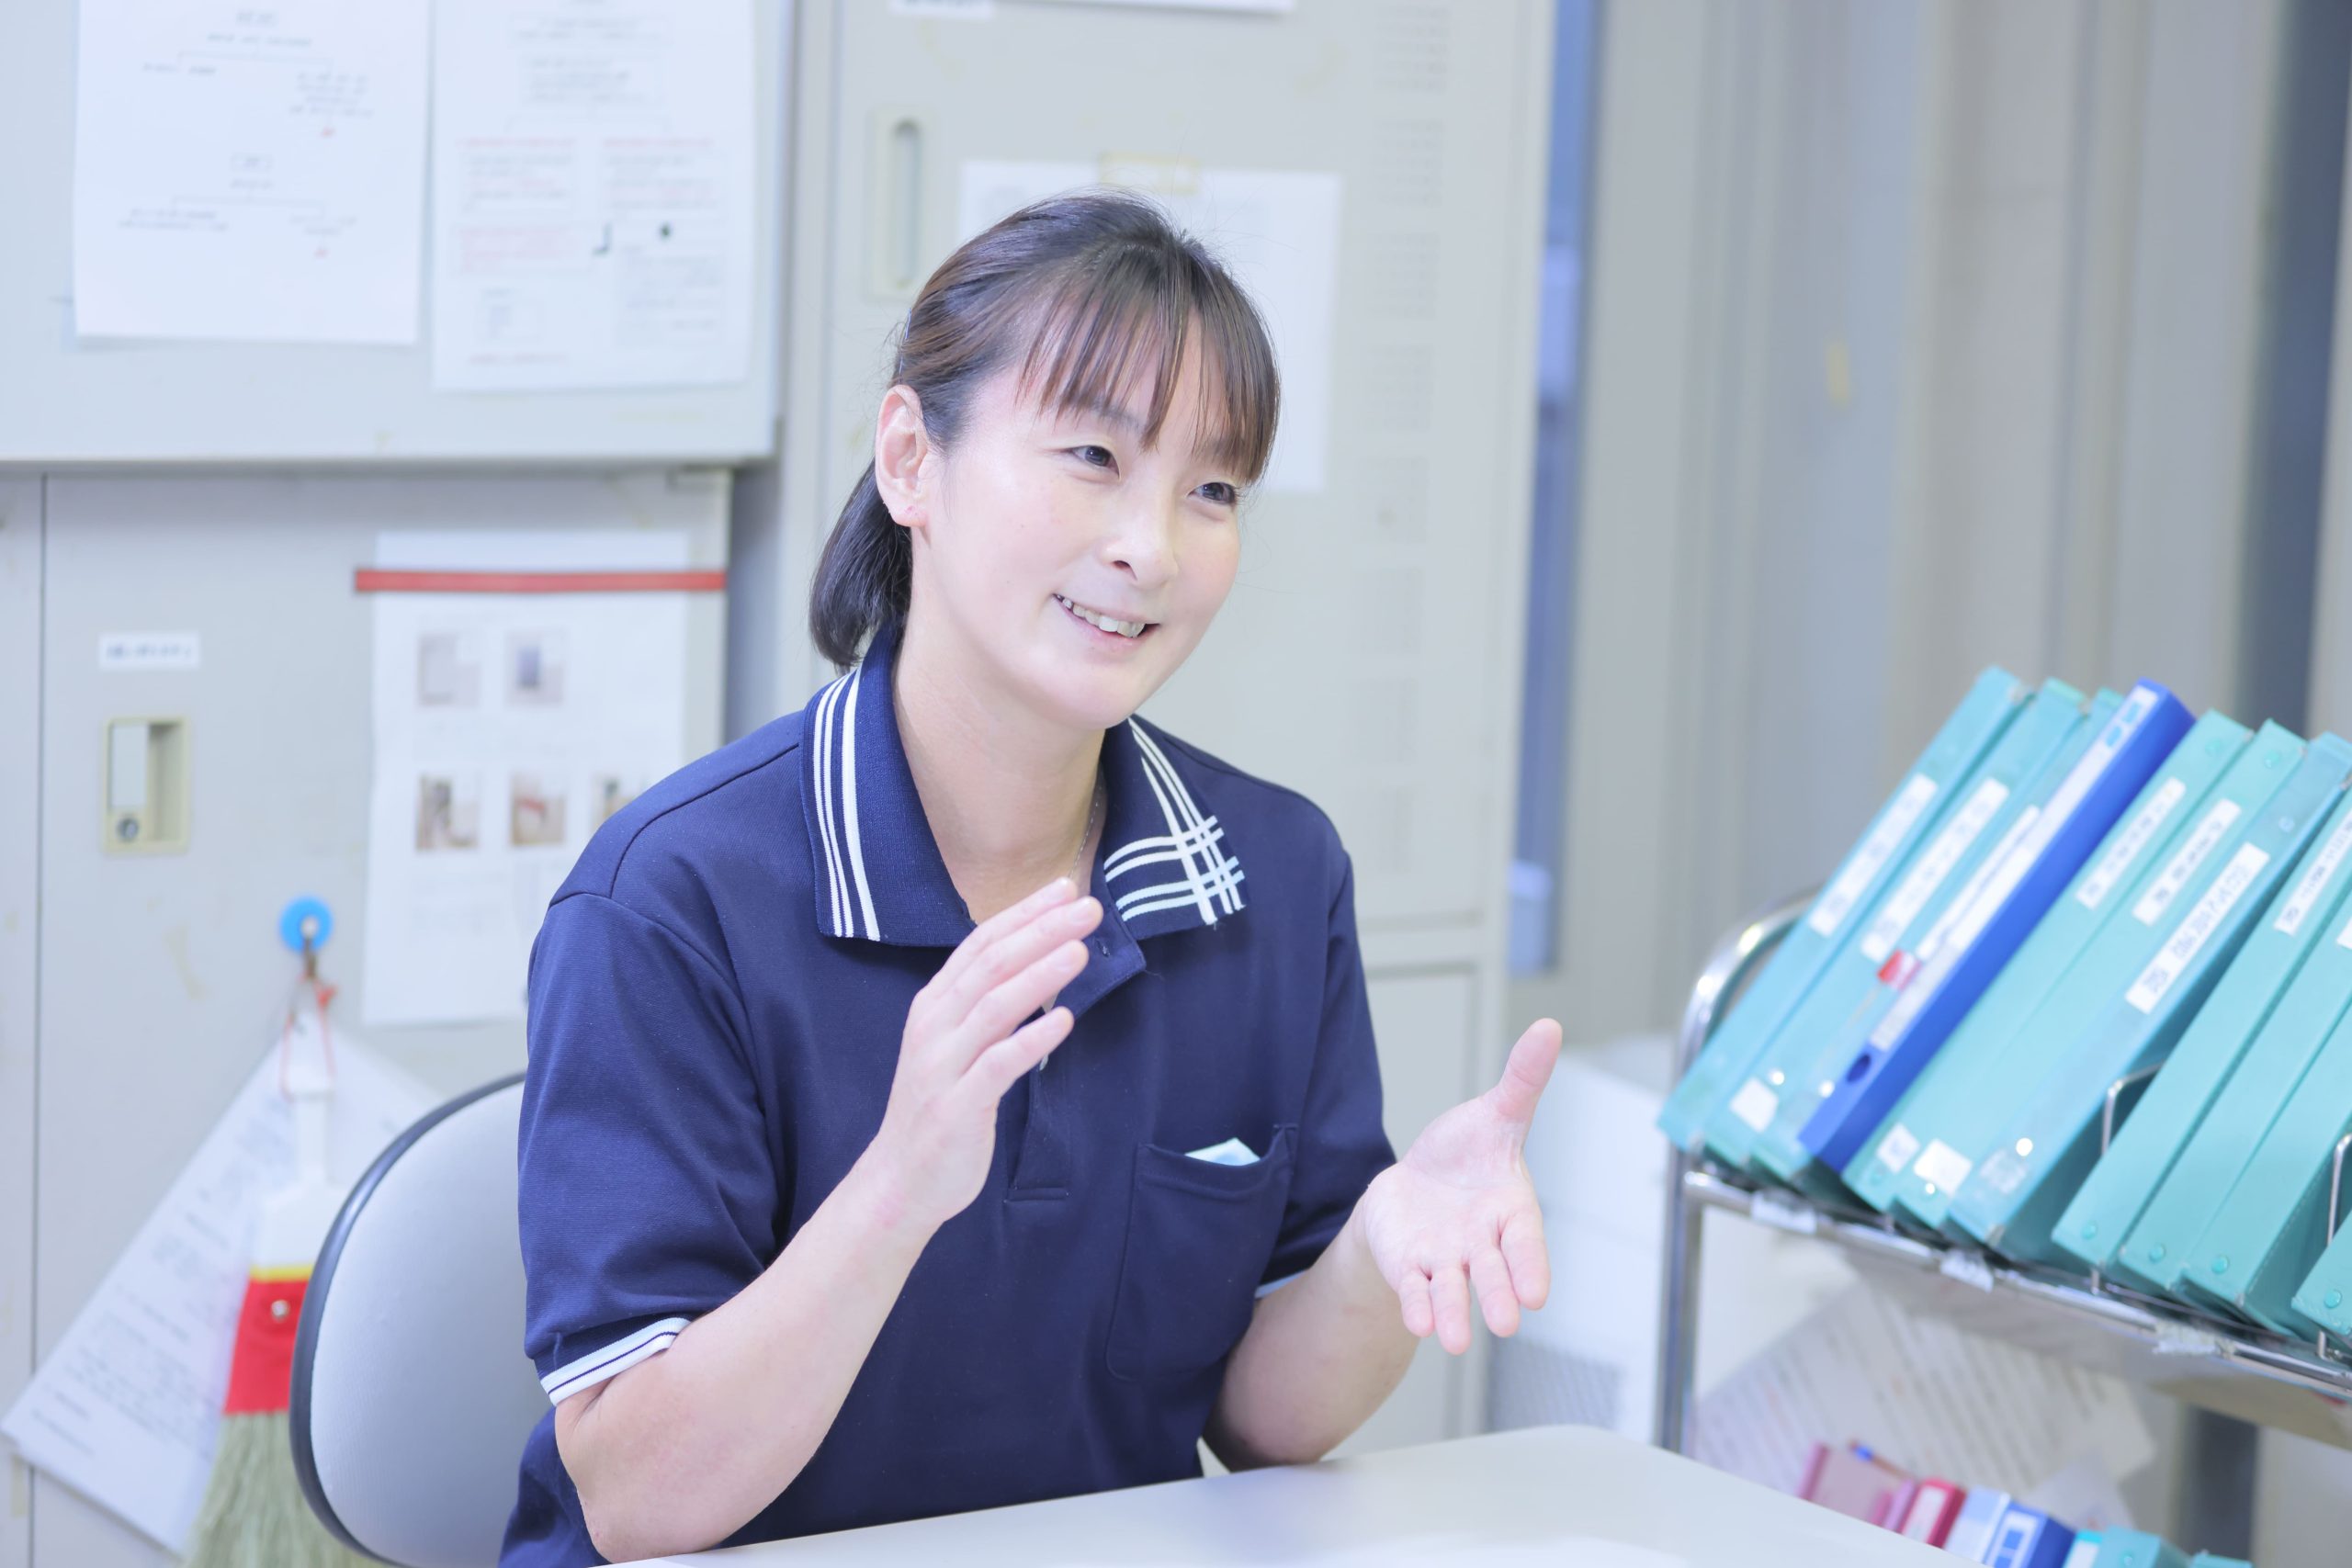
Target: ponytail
(863, 578)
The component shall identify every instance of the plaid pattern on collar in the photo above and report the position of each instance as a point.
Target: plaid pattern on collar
(1164, 866)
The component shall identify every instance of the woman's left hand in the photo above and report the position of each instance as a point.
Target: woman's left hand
(1458, 1213)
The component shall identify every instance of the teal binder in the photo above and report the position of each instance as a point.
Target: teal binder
(2041, 1155)
(1933, 1109)
(2326, 1297)
(1904, 819)
(2174, 1160)
(2266, 1238)
(1909, 901)
(2116, 954)
(1815, 1060)
(2137, 1549)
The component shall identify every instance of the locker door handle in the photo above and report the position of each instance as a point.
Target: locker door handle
(145, 806)
(895, 200)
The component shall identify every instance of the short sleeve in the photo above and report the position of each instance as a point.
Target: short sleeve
(647, 1190)
(1341, 1143)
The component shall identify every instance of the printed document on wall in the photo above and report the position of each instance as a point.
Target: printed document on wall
(592, 193)
(1278, 230)
(246, 172)
(126, 1409)
(508, 728)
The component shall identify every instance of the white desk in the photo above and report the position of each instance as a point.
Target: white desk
(1562, 1496)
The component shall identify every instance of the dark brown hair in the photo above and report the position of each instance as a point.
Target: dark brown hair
(1093, 295)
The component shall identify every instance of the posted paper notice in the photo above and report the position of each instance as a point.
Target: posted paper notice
(249, 171)
(591, 194)
(508, 728)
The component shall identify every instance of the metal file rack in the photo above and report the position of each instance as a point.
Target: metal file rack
(2262, 1378)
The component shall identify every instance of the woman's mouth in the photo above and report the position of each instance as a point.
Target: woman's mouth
(1109, 626)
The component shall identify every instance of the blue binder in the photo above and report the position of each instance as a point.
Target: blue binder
(1955, 1102)
(2099, 975)
(1906, 818)
(2032, 875)
(2028, 1538)
(1914, 916)
(2040, 1158)
(1971, 1535)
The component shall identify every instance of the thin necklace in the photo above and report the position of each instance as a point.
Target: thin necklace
(1082, 872)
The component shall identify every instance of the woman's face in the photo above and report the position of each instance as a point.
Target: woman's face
(1074, 564)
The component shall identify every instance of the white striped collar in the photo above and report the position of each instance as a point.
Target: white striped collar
(1165, 864)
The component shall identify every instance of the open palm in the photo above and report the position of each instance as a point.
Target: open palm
(1458, 1213)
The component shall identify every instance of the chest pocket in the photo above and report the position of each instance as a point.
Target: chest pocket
(1198, 1237)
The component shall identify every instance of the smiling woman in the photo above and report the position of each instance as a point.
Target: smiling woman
(1103, 327)
(787, 1276)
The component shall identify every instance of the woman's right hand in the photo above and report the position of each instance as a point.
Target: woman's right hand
(965, 1045)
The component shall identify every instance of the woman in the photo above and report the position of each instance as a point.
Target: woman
(961, 1092)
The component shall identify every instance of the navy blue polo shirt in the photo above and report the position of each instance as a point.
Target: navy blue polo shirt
(717, 997)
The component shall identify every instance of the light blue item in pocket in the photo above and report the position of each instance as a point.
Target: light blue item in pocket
(1233, 1151)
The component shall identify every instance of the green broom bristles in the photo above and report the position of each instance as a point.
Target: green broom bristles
(254, 1514)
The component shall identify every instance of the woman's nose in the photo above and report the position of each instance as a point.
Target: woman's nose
(1145, 547)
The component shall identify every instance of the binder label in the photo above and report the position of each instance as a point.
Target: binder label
(2314, 882)
(1755, 1105)
(1895, 1150)
(1829, 910)
(2203, 840)
(1943, 1165)
(1993, 880)
(1934, 863)
(2128, 843)
(2189, 937)
(2089, 768)
(2344, 937)
(1926, 1510)
(2004, 1171)
(1980, 898)
(2011, 1537)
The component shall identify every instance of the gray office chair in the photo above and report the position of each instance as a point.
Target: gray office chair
(411, 1397)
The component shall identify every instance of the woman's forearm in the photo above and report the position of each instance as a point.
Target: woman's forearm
(680, 1451)
(1319, 1355)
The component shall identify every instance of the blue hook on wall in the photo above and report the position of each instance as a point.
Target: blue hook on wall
(304, 926)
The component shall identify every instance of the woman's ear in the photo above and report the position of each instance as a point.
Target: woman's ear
(902, 453)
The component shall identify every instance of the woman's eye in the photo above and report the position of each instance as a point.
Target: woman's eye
(1220, 492)
(1095, 456)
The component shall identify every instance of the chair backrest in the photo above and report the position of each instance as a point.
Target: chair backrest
(412, 1397)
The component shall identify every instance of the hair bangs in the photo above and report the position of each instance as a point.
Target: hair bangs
(1100, 303)
(1116, 337)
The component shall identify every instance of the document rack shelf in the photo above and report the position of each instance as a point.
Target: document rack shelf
(2301, 1386)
